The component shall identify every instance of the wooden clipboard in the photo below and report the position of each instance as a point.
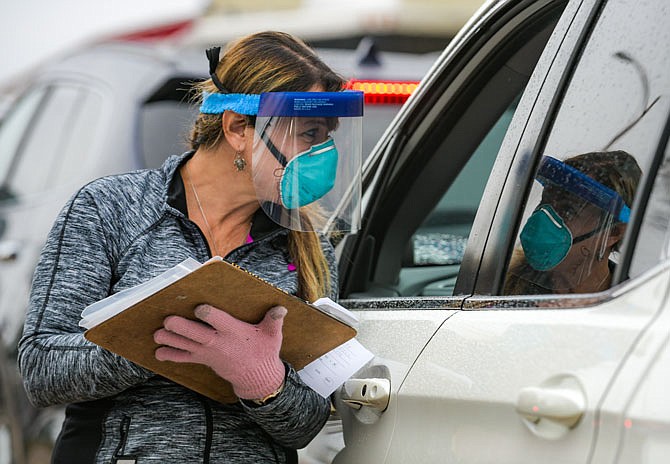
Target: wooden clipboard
(308, 332)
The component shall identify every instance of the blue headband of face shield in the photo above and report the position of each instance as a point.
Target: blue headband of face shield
(217, 103)
(348, 103)
(574, 181)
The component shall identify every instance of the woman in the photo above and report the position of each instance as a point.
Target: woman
(243, 192)
(580, 221)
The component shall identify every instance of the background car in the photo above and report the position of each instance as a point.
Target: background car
(464, 372)
(104, 109)
(101, 111)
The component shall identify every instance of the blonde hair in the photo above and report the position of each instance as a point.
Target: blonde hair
(616, 169)
(273, 62)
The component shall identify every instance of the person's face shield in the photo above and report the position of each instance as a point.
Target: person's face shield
(570, 229)
(306, 160)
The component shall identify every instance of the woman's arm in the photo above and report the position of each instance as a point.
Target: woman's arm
(57, 363)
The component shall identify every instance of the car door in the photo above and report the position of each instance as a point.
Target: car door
(520, 378)
(422, 192)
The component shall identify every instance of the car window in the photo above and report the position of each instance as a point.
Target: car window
(164, 130)
(14, 128)
(439, 243)
(77, 144)
(597, 154)
(442, 236)
(43, 151)
(419, 229)
(165, 120)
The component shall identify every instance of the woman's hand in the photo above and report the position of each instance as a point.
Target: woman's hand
(247, 355)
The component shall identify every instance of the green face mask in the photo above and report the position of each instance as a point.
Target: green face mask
(309, 176)
(545, 239)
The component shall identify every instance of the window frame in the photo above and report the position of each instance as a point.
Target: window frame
(639, 209)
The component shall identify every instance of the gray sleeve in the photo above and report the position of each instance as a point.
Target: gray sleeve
(57, 363)
(295, 416)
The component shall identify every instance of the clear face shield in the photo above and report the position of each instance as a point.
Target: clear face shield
(569, 231)
(307, 159)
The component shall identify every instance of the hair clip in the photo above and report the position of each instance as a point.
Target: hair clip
(213, 57)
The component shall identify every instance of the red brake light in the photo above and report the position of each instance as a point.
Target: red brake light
(380, 92)
(157, 33)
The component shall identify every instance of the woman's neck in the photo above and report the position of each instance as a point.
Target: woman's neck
(227, 195)
(219, 199)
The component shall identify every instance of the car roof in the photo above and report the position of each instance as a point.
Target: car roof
(368, 62)
(136, 68)
(133, 66)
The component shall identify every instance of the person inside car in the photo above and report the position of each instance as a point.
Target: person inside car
(569, 242)
(274, 152)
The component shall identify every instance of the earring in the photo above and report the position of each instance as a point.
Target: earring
(239, 162)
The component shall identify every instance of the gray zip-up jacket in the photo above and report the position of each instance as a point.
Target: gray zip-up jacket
(115, 233)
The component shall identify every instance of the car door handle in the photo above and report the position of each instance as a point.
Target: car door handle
(371, 393)
(9, 250)
(561, 407)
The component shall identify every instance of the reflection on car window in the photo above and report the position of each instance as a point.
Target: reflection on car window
(577, 225)
(601, 143)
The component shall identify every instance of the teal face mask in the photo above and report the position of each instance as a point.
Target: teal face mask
(546, 239)
(309, 175)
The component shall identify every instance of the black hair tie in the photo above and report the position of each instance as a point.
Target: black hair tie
(213, 57)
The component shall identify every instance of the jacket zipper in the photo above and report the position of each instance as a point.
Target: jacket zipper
(123, 437)
(209, 426)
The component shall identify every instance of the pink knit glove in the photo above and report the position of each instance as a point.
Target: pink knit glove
(246, 355)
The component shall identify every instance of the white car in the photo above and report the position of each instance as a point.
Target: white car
(464, 371)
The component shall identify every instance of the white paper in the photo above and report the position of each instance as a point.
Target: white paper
(102, 310)
(337, 311)
(331, 370)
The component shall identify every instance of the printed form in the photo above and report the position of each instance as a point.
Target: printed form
(331, 370)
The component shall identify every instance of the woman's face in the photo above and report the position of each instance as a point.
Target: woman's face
(287, 137)
(290, 136)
